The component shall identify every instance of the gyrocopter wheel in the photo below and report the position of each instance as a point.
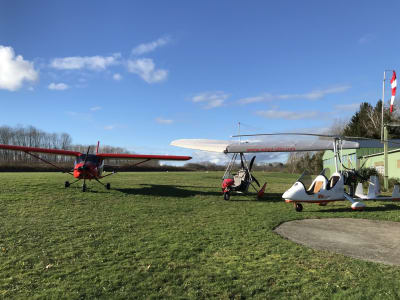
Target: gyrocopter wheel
(298, 207)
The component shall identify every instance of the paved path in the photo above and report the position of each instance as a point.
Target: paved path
(377, 241)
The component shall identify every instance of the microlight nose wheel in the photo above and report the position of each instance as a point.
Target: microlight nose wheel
(108, 186)
(298, 207)
(227, 196)
(84, 187)
(67, 184)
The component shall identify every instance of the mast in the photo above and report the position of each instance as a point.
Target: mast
(383, 102)
(240, 138)
(335, 152)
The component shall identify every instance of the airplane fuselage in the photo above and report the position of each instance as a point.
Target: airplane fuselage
(89, 168)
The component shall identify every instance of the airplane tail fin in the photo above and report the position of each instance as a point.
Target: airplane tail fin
(261, 192)
(374, 187)
(360, 191)
(396, 192)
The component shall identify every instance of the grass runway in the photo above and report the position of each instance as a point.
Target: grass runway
(171, 235)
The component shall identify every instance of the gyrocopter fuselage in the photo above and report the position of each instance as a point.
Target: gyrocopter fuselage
(323, 190)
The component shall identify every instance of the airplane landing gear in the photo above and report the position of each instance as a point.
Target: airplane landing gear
(298, 207)
(84, 187)
(227, 196)
(67, 184)
(108, 186)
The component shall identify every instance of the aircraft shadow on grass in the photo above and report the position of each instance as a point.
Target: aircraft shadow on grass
(268, 197)
(386, 207)
(184, 191)
(180, 191)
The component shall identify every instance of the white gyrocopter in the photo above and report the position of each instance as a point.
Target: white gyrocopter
(242, 179)
(323, 190)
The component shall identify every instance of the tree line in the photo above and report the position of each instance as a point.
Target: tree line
(32, 137)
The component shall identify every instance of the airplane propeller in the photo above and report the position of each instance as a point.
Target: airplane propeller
(252, 162)
(250, 167)
(83, 167)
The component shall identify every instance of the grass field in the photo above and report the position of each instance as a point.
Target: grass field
(171, 235)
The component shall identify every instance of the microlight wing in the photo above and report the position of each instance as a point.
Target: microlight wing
(253, 147)
(202, 144)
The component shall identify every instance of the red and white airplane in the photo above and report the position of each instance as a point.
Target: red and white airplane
(90, 166)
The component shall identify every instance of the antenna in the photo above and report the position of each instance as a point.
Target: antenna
(240, 138)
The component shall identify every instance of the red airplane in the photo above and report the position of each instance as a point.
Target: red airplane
(90, 166)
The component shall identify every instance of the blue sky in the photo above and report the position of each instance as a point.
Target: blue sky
(141, 74)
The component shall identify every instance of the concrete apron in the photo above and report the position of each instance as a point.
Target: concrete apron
(371, 240)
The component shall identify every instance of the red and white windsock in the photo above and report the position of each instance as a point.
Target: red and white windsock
(393, 83)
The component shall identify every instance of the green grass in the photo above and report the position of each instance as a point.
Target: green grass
(171, 235)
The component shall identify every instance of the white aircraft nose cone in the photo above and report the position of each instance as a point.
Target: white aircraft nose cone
(288, 194)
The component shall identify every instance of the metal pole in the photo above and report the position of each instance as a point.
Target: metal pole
(385, 151)
(240, 138)
(383, 102)
(335, 154)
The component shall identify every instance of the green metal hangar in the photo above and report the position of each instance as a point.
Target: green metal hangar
(370, 153)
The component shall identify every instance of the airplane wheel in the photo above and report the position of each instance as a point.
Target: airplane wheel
(67, 184)
(84, 188)
(299, 207)
(227, 196)
(108, 186)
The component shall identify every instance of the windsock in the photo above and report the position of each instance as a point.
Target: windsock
(393, 83)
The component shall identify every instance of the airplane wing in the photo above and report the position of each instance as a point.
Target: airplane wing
(40, 150)
(251, 147)
(142, 156)
(202, 144)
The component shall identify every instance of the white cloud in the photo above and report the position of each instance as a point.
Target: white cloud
(95, 108)
(85, 62)
(288, 115)
(348, 107)
(223, 159)
(146, 69)
(14, 70)
(110, 127)
(313, 95)
(366, 38)
(117, 76)
(57, 86)
(83, 116)
(149, 47)
(164, 121)
(211, 99)
(213, 157)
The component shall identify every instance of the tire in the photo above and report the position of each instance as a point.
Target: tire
(227, 196)
(67, 184)
(84, 188)
(298, 207)
(108, 186)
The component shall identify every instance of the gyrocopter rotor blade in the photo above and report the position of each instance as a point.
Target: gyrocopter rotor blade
(333, 136)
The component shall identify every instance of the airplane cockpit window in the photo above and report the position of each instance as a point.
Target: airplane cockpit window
(91, 158)
(305, 179)
(326, 173)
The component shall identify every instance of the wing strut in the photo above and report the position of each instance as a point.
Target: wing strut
(146, 160)
(47, 162)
